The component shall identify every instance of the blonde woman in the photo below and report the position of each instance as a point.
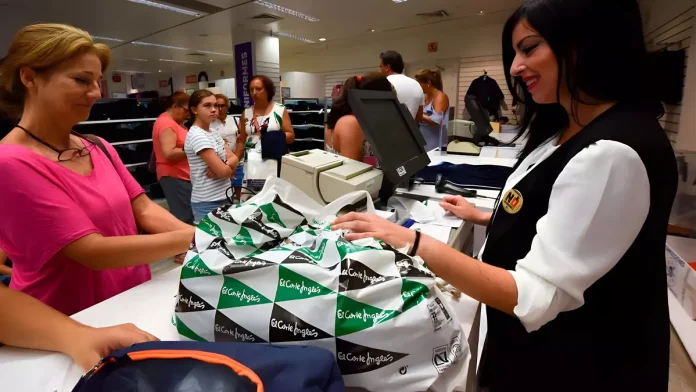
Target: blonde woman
(72, 213)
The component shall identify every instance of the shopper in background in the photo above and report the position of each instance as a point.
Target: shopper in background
(409, 92)
(28, 323)
(236, 140)
(265, 115)
(70, 218)
(573, 269)
(343, 134)
(211, 161)
(436, 108)
(173, 174)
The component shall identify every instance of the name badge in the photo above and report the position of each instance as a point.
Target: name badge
(512, 201)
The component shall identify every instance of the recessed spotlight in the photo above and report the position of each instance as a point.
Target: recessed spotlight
(167, 7)
(372, 31)
(159, 70)
(322, 39)
(481, 12)
(399, 1)
(288, 11)
(211, 60)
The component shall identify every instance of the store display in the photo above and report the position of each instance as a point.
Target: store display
(681, 280)
(271, 271)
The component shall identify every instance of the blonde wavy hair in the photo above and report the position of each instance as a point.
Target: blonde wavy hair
(42, 47)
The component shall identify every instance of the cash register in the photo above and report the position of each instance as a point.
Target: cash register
(396, 142)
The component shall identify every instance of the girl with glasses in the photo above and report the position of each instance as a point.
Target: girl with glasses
(234, 137)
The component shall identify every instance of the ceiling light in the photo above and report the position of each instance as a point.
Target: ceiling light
(322, 39)
(167, 7)
(125, 71)
(217, 53)
(372, 31)
(107, 38)
(159, 70)
(179, 61)
(288, 11)
(134, 59)
(481, 12)
(288, 35)
(399, 1)
(211, 60)
(158, 45)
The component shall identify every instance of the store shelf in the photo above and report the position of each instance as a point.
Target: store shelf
(309, 111)
(307, 126)
(137, 164)
(131, 142)
(309, 140)
(132, 120)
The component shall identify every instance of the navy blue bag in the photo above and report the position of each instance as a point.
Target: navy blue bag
(468, 176)
(202, 366)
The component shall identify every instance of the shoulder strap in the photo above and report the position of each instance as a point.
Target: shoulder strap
(97, 142)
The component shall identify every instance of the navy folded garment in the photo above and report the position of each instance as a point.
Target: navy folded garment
(469, 176)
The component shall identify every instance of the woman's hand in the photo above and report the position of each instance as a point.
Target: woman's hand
(90, 345)
(373, 226)
(460, 207)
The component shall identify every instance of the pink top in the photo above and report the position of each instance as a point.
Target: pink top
(45, 206)
(167, 168)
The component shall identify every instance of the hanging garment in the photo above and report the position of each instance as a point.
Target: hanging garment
(488, 93)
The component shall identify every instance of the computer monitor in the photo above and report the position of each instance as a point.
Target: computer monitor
(392, 133)
(480, 117)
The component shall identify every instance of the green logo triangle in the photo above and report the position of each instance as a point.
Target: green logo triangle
(318, 254)
(184, 330)
(346, 248)
(272, 215)
(243, 238)
(298, 230)
(235, 294)
(210, 227)
(196, 268)
(353, 316)
(413, 293)
(292, 286)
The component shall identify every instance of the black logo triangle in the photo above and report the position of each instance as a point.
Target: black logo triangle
(408, 269)
(281, 203)
(187, 301)
(354, 358)
(227, 330)
(221, 245)
(222, 213)
(356, 275)
(286, 327)
(245, 264)
(254, 222)
(298, 258)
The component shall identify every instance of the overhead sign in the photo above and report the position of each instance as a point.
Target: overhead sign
(432, 47)
(191, 79)
(163, 83)
(244, 70)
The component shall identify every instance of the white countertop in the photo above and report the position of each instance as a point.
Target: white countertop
(682, 323)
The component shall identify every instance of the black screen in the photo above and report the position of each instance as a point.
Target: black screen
(390, 132)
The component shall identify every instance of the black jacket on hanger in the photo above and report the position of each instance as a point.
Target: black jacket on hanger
(488, 93)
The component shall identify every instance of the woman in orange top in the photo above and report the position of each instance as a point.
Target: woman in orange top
(168, 136)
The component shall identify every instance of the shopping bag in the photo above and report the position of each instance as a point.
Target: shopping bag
(272, 271)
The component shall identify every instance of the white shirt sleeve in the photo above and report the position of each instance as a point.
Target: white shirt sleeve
(598, 206)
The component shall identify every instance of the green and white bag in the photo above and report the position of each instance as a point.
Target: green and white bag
(272, 271)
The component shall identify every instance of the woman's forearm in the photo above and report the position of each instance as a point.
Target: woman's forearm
(153, 219)
(485, 283)
(483, 218)
(175, 155)
(100, 253)
(28, 323)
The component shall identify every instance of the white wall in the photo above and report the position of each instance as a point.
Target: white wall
(478, 41)
(303, 84)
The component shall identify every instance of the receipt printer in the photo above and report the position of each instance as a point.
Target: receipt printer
(325, 176)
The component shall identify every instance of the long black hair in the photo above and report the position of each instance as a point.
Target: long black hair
(600, 49)
(341, 106)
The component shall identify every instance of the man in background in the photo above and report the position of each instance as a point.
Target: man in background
(409, 92)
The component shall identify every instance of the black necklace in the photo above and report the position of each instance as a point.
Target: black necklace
(65, 154)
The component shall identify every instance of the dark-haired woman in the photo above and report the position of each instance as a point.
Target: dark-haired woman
(265, 115)
(173, 174)
(343, 134)
(211, 161)
(573, 271)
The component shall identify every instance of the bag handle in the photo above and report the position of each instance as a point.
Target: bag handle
(335, 206)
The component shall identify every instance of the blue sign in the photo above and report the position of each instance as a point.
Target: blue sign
(244, 69)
